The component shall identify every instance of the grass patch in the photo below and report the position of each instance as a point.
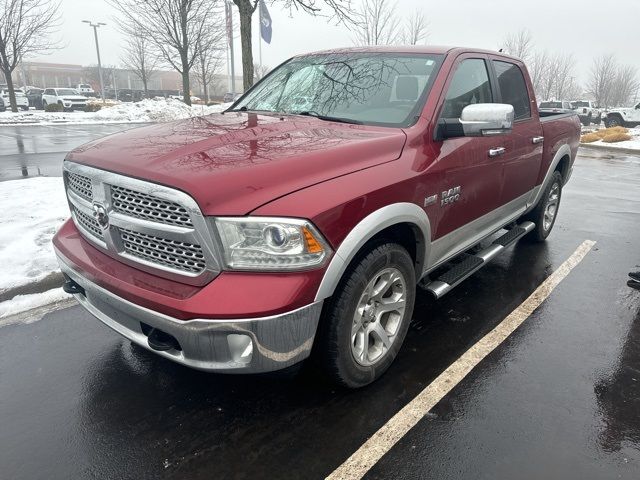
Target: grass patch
(616, 137)
(616, 134)
(589, 138)
(92, 107)
(53, 107)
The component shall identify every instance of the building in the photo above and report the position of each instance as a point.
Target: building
(43, 74)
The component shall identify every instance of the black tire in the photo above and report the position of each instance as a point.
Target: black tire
(335, 345)
(537, 215)
(613, 121)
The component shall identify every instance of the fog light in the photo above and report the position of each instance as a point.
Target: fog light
(240, 347)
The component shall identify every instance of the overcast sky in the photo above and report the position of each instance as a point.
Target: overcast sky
(585, 28)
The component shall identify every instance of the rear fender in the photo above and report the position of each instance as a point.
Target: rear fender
(536, 194)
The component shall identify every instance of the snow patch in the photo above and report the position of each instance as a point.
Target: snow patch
(23, 303)
(32, 211)
(145, 111)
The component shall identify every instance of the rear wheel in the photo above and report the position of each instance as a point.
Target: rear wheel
(613, 121)
(364, 324)
(545, 213)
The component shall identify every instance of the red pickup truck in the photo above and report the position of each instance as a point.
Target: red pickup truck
(300, 221)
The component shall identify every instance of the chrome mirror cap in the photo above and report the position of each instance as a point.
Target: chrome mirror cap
(487, 119)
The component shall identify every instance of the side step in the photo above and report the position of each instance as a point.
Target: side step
(472, 263)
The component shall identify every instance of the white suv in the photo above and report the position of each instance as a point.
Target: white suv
(85, 89)
(587, 112)
(21, 100)
(623, 117)
(68, 98)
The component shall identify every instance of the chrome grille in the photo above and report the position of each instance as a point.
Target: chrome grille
(80, 184)
(182, 256)
(148, 207)
(88, 223)
(152, 227)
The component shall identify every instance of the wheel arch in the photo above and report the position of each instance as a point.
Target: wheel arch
(561, 159)
(392, 221)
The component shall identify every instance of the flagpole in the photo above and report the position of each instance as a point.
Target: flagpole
(260, 34)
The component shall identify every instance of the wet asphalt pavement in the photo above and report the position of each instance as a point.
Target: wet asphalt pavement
(33, 150)
(560, 398)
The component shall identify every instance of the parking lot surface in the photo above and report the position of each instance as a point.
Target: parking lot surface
(32, 150)
(560, 398)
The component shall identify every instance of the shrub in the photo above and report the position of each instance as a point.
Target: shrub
(92, 107)
(53, 107)
(590, 137)
(616, 137)
(613, 132)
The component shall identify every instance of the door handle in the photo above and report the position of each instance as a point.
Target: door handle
(537, 140)
(494, 152)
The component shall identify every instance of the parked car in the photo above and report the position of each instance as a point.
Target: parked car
(34, 96)
(237, 244)
(68, 98)
(623, 117)
(556, 106)
(21, 100)
(85, 89)
(230, 97)
(587, 112)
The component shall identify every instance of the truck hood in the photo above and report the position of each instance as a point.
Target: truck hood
(235, 162)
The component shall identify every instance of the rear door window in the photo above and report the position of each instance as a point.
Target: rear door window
(470, 85)
(513, 88)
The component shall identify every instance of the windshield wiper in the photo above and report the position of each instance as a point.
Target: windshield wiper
(312, 113)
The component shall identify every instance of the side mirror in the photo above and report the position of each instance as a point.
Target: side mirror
(479, 120)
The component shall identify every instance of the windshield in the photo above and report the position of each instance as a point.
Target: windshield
(66, 91)
(85, 86)
(371, 88)
(579, 104)
(551, 105)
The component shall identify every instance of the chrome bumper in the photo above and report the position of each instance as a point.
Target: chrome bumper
(249, 345)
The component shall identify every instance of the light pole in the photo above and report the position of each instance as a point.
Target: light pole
(95, 33)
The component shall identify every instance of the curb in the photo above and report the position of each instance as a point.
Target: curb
(603, 148)
(51, 281)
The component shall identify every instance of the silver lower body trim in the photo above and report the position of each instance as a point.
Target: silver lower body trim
(249, 345)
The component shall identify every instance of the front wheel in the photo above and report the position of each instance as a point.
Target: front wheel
(364, 324)
(546, 211)
(613, 121)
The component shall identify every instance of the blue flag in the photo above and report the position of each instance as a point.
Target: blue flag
(265, 22)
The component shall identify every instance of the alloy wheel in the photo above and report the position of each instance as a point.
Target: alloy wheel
(378, 316)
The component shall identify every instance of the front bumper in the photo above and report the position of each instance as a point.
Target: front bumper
(248, 345)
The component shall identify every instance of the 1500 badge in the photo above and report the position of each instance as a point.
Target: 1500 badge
(450, 196)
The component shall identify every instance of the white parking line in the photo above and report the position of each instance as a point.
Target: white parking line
(358, 464)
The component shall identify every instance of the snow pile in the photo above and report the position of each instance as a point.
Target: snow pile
(32, 210)
(23, 303)
(146, 111)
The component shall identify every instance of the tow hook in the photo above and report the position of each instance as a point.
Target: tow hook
(72, 287)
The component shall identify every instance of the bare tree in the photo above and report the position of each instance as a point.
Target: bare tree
(178, 29)
(25, 28)
(259, 71)
(625, 86)
(601, 79)
(416, 29)
(561, 70)
(208, 64)
(340, 10)
(519, 44)
(377, 24)
(140, 59)
(538, 69)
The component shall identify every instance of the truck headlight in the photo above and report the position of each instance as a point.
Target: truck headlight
(266, 243)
